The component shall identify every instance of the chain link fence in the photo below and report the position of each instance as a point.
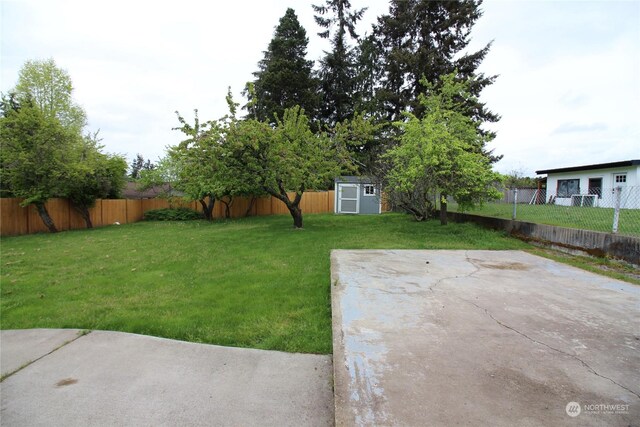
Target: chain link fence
(614, 210)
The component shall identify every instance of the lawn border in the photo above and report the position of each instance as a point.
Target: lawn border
(594, 243)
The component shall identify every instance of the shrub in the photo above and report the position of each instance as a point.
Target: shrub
(172, 214)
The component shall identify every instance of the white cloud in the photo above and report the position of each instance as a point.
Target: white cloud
(133, 63)
(578, 82)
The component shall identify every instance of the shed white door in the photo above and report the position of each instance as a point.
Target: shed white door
(348, 198)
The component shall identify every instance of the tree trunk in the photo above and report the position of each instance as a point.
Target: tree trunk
(251, 203)
(296, 214)
(443, 209)
(207, 208)
(46, 219)
(227, 207)
(84, 213)
(293, 206)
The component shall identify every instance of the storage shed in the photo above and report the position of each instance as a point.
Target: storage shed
(357, 195)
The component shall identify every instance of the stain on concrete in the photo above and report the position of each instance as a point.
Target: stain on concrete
(66, 381)
(504, 265)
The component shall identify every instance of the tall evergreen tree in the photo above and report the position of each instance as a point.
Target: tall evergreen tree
(138, 165)
(338, 68)
(284, 77)
(368, 74)
(425, 38)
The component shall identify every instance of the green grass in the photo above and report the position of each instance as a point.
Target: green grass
(251, 282)
(597, 219)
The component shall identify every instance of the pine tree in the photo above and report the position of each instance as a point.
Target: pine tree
(424, 38)
(338, 67)
(284, 78)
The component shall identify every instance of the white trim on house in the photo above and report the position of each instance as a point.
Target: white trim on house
(583, 176)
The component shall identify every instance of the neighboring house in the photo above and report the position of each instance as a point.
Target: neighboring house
(131, 191)
(594, 185)
(357, 195)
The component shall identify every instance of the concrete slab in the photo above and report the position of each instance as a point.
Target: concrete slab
(497, 338)
(112, 378)
(18, 348)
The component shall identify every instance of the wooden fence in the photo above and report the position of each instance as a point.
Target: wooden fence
(16, 220)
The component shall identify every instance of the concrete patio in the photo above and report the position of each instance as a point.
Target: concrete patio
(498, 338)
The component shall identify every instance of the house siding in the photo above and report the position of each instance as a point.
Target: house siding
(608, 184)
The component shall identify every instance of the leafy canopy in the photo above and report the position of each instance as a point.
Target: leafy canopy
(437, 153)
(35, 152)
(51, 89)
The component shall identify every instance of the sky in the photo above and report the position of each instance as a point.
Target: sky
(568, 86)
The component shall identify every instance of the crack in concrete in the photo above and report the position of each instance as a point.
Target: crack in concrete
(470, 261)
(573, 356)
(80, 335)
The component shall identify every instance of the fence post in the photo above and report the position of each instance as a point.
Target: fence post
(616, 212)
(515, 202)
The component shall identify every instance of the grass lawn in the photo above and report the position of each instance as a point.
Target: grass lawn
(251, 282)
(598, 219)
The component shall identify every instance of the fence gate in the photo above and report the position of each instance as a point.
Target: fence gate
(348, 200)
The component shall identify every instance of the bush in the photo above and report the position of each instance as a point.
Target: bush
(172, 214)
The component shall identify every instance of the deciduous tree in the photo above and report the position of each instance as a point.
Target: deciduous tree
(289, 158)
(51, 89)
(34, 155)
(436, 154)
(44, 153)
(205, 168)
(93, 175)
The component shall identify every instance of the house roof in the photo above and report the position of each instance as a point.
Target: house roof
(590, 167)
(131, 191)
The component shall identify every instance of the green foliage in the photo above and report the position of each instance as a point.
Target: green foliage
(44, 153)
(437, 154)
(34, 155)
(138, 165)
(360, 136)
(51, 89)
(337, 68)
(205, 167)
(172, 214)
(289, 158)
(284, 77)
(94, 175)
(368, 73)
(424, 38)
(517, 179)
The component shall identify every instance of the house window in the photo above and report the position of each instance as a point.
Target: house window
(369, 190)
(620, 178)
(567, 187)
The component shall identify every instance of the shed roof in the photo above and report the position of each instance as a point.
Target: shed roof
(590, 167)
(355, 179)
